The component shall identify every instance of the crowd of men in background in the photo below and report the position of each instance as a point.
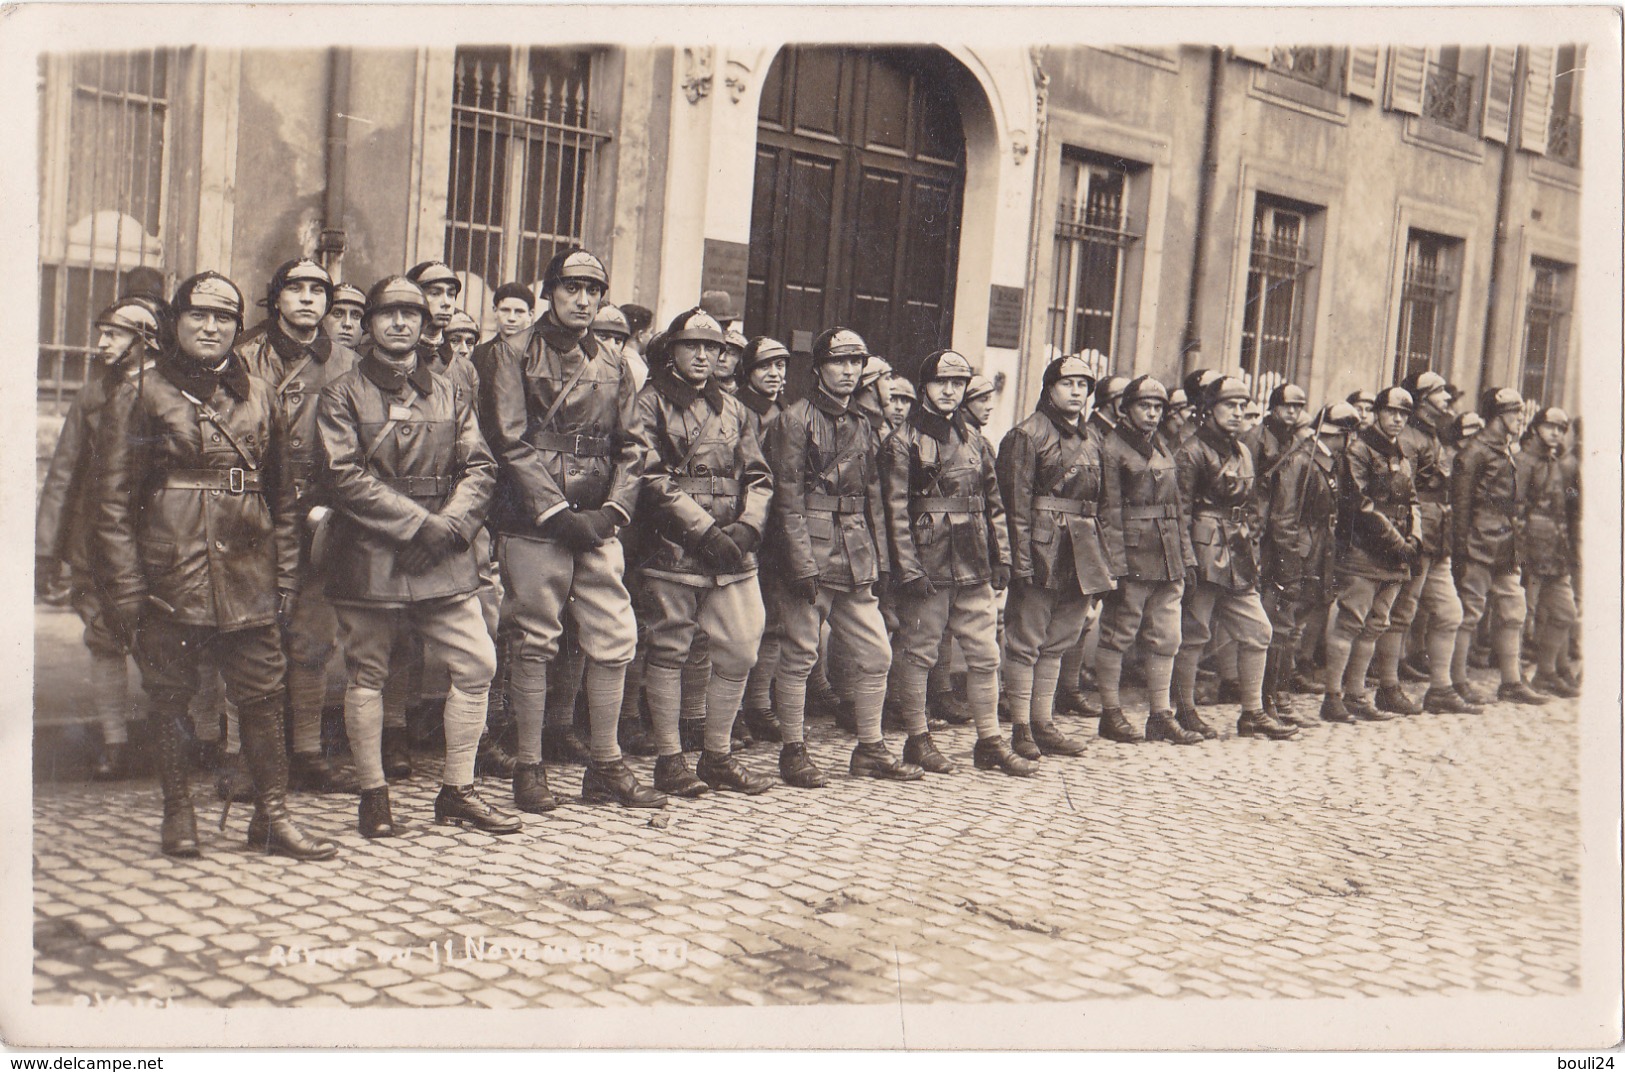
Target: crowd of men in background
(621, 541)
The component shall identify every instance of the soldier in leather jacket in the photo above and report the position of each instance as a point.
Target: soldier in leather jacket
(826, 537)
(127, 335)
(196, 531)
(703, 506)
(1549, 528)
(298, 360)
(1148, 546)
(1049, 475)
(949, 555)
(1216, 485)
(762, 372)
(1486, 502)
(1377, 539)
(1432, 586)
(412, 479)
(559, 417)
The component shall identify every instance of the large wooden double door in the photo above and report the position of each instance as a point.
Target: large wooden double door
(860, 176)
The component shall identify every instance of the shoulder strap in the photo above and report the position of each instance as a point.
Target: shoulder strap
(296, 370)
(706, 429)
(208, 414)
(569, 385)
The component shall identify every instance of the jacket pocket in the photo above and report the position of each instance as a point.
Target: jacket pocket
(157, 557)
(926, 531)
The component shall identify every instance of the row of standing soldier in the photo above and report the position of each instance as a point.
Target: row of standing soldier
(261, 498)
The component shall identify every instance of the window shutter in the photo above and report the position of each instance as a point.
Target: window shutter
(1364, 61)
(1260, 56)
(1499, 68)
(1407, 71)
(1537, 99)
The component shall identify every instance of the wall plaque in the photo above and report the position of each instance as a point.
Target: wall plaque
(724, 269)
(1004, 317)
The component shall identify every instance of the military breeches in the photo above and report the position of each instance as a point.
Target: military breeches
(454, 629)
(969, 613)
(1479, 587)
(543, 580)
(1362, 607)
(853, 616)
(1241, 613)
(1431, 587)
(1041, 622)
(250, 661)
(1144, 611)
(731, 617)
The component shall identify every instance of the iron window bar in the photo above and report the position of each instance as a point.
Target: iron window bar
(1447, 97)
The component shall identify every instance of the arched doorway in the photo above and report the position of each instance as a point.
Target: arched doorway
(860, 178)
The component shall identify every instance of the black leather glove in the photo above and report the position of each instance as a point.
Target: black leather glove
(805, 588)
(127, 617)
(572, 530)
(1413, 548)
(1001, 576)
(917, 589)
(744, 537)
(286, 604)
(435, 540)
(601, 523)
(719, 552)
(47, 571)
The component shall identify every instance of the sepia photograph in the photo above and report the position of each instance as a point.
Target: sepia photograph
(813, 528)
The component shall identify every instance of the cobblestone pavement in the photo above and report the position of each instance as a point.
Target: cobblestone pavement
(1433, 854)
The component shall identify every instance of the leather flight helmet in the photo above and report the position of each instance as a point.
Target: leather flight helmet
(946, 365)
(1288, 394)
(1395, 398)
(1068, 367)
(979, 387)
(1498, 400)
(1339, 415)
(1111, 390)
(759, 351)
(396, 292)
(735, 340)
(574, 263)
(611, 321)
(347, 294)
(209, 291)
(462, 322)
(1143, 389)
(1226, 389)
(901, 388)
(1552, 416)
(428, 273)
(139, 318)
(834, 344)
(295, 271)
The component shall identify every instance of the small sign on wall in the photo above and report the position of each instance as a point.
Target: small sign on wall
(1004, 317)
(724, 268)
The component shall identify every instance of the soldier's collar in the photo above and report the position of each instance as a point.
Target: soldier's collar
(1216, 439)
(291, 350)
(390, 378)
(1131, 435)
(1420, 420)
(758, 403)
(561, 338)
(932, 423)
(831, 405)
(200, 382)
(1379, 442)
(680, 391)
(1066, 425)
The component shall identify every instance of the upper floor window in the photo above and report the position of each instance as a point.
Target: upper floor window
(1307, 63)
(1447, 90)
(1563, 131)
(524, 146)
(1545, 333)
(1092, 233)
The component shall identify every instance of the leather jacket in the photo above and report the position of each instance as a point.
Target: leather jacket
(586, 457)
(439, 357)
(828, 512)
(1216, 487)
(183, 520)
(1266, 442)
(1430, 469)
(1484, 505)
(297, 374)
(1049, 474)
(1297, 501)
(67, 505)
(433, 460)
(1549, 518)
(1376, 508)
(759, 409)
(702, 466)
(944, 513)
(1142, 515)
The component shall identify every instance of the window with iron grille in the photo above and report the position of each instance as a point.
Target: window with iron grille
(524, 154)
(1092, 233)
(1545, 332)
(1447, 92)
(103, 168)
(1563, 131)
(1427, 306)
(1279, 264)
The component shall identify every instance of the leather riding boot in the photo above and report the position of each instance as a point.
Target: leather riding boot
(232, 782)
(876, 761)
(530, 791)
(1162, 726)
(1115, 726)
(797, 769)
(372, 814)
(1052, 742)
(396, 753)
(271, 830)
(461, 805)
(178, 834)
(1259, 724)
(720, 770)
(1190, 720)
(764, 724)
(992, 753)
(921, 751)
(673, 776)
(1022, 743)
(604, 783)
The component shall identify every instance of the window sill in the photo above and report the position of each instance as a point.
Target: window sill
(1440, 138)
(1287, 92)
(1543, 169)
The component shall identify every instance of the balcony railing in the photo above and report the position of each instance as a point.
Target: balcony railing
(1305, 63)
(1447, 97)
(1563, 138)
